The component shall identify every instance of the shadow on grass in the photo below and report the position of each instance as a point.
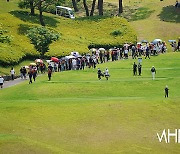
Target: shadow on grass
(25, 16)
(23, 28)
(109, 10)
(92, 18)
(134, 14)
(170, 14)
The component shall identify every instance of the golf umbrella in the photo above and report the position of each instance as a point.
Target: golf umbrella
(92, 49)
(39, 61)
(70, 57)
(144, 41)
(171, 41)
(101, 49)
(54, 59)
(26, 67)
(156, 41)
(33, 64)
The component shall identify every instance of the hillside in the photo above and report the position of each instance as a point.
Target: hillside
(76, 35)
(152, 18)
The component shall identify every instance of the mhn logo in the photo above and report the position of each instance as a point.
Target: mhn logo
(168, 134)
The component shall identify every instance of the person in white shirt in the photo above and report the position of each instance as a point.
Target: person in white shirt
(12, 73)
(1, 81)
(106, 73)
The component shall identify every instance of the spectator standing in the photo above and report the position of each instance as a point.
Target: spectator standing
(178, 47)
(24, 72)
(34, 73)
(21, 72)
(30, 76)
(147, 52)
(1, 81)
(166, 91)
(12, 73)
(134, 69)
(139, 69)
(126, 53)
(133, 52)
(49, 74)
(153, 71)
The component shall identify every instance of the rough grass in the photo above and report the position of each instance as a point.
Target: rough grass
(76, 113)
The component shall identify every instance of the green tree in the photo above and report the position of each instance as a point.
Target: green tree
(41, 38)
(74, 3)
(41, 5)
(26, 4)
(100, 7)
(120, 7)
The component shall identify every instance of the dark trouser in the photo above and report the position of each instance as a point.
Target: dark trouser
(34, 77)
(1, 85)
(166, 94)
(134, 72)
(24, 75)
(49, 76)
(139, 70)
(107, 76)
(12, 76)
(154, 52)
(101, 59)
(147, 55)
(94, 65)
(30, 79)
(82, 66)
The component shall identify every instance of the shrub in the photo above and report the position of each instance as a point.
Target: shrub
(41, 38)
(116, 33)
(4, 38)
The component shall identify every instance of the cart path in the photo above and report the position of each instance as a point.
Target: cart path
(13, 82)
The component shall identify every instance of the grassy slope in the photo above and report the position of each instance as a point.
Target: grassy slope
(77, 113)
(154, 26)
(74, 36)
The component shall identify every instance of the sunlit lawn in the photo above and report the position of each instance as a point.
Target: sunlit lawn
(77, 113)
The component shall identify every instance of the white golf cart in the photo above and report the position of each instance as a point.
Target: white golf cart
(65, 12)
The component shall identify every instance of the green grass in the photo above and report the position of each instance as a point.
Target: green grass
(74, 36)
(170, 14)
(76, 113)
(160, 21)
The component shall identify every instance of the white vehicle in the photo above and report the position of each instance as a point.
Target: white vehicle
(65, 12)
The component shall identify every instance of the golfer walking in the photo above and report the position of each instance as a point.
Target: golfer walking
(153, 71)
(106, 73)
